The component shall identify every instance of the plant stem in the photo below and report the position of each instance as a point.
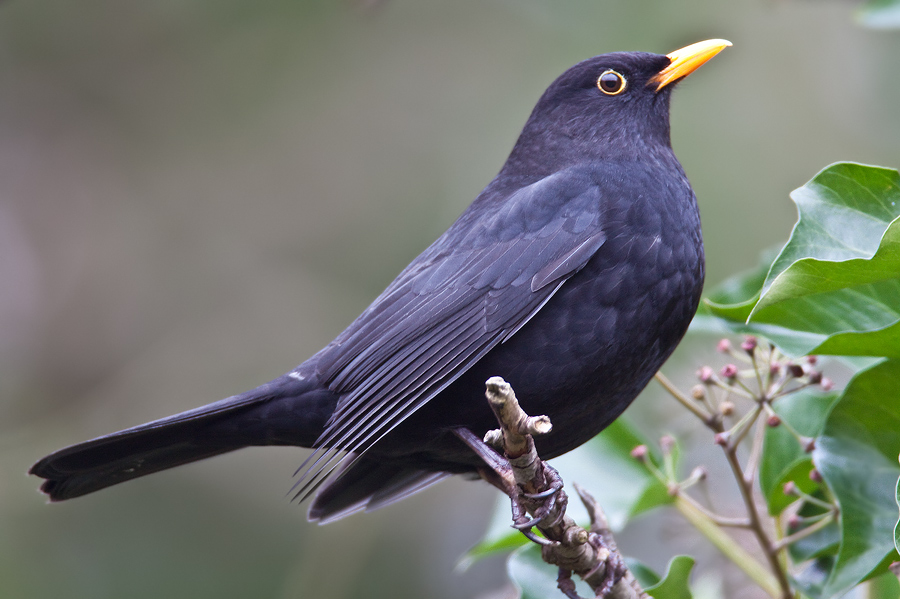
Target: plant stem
(756, 571)
(773, 580)
(716, 519)
(759, 380)
(765, 543)
(740, 429)
(742, 390)
(682, 399)
(755, 453)
(801, 534)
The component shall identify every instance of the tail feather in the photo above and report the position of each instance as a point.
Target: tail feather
(287, 411)
(258, 417)
(65, 482)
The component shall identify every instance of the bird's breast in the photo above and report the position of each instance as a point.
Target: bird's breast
(599, 340)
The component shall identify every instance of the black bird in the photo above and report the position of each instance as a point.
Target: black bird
(573, 275)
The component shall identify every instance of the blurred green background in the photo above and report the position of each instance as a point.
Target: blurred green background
(196, 195)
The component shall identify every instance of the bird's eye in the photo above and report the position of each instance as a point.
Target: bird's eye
(611, 83)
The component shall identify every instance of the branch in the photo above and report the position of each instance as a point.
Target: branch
(538, 489)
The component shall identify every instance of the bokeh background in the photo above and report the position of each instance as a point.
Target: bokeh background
(196, 195)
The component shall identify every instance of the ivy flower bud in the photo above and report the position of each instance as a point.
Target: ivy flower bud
(729, 371)
(667, 442)
(749, 344)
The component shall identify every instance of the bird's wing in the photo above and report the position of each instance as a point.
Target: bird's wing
(471, 290)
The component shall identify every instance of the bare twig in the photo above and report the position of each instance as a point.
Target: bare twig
(538, 489)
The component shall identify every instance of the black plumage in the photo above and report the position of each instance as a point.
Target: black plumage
(573, 275)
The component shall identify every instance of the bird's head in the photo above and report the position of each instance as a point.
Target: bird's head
(613, 106)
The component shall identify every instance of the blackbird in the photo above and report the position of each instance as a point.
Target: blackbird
(573, 275)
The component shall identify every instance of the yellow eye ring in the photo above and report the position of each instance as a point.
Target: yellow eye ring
(611, 82)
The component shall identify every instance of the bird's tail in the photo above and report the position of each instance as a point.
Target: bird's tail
(272, 414)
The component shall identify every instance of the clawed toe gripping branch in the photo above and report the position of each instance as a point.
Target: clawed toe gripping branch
(539, 501)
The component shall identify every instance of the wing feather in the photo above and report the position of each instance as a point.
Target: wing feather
(472, 289)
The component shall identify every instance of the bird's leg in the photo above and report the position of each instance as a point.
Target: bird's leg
(546, 497)
(532, 486)
(499, 473)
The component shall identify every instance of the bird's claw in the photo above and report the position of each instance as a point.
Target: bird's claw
(550, 496)
(542, 494)
(527, 524)
(615, 566)
(547, 499)
(535, 538)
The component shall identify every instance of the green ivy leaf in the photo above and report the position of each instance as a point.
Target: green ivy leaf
(857, 457)
(885, 586)
(824, 543)
(849, 308)
(783, 459)
(644, 574)
(834, 288)
(674, 584)
(843, 213)
(880, 14)
(840, 271)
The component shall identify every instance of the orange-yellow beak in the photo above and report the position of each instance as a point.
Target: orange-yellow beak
(687, 60)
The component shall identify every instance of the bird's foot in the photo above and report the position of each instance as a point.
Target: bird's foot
(613, 570)
(614, 565)
(546, 506)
